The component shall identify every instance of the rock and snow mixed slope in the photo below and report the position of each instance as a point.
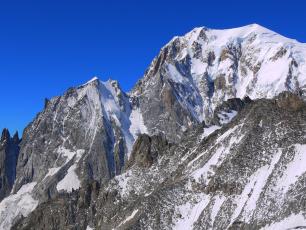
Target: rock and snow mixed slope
(246, 175)
(85, 135)
(79, 164)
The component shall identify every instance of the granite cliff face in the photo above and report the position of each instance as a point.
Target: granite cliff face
(212, 137)
(9, 150)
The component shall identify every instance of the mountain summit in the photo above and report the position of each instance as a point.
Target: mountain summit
(205, 67)
(212, 137)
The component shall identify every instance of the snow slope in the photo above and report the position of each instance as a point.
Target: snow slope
(20, 204)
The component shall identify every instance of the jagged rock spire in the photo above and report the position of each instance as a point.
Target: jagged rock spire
(5, 134)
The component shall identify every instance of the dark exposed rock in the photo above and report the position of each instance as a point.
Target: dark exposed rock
(9, 150)
(233, 104)
(290, 101)
(66, 211)
(279, 54)
(146, 150)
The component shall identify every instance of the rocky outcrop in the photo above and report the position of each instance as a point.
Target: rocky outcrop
(147, 149)
(227, 110)
(66, 211)
(9, 150)
(290, 101)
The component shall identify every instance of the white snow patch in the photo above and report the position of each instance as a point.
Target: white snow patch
(198, 67)
(70, 181)
(91, 80)
(137, 127)
(147, 194)
(210, 130)
(294, 169)
(137, 124)
(52, 171)
(206, 170)
(175, 75)
(89, 228)
(68, 154)
(20, 204)
(123, 182)
(130, 217)
(223, 136)
(190, 213)
(227, 117)
(246, 203)
(291, 222)
(109, 100)
(218, 201)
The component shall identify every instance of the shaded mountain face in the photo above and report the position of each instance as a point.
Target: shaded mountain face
(9, 150)
(205, 138)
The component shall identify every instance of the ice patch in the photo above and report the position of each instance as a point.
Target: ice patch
(20, 204)
(137, 124)
(137, 127)
(70, 181)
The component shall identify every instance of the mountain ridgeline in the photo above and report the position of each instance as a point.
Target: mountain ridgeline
(212, 137)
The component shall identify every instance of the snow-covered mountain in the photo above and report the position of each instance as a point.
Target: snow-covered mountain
(85, 135)
(196, 72)
(204, 140)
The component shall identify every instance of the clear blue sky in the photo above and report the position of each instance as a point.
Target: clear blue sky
(47, 46)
